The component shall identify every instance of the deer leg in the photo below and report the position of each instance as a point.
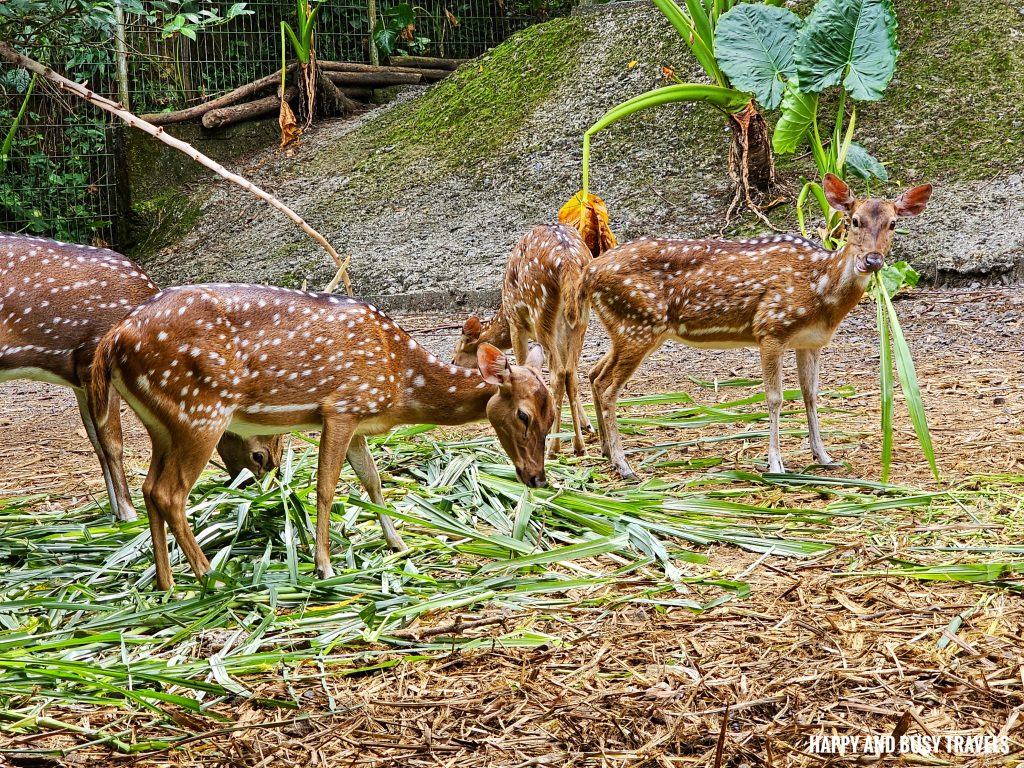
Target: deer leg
(579, 418)
(178, 461)
(771, 367)
(334, 443)
(624, 361)
(595, 375)
(557, 396)
(362, 463)
(808, 367)
(520, 342)
(106, 441)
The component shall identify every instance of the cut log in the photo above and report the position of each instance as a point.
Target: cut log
(373, 79)
(239, 94)
(427, 62)
(218, 118)
(430, 75)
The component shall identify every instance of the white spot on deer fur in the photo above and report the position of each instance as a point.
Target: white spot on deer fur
(419, 381)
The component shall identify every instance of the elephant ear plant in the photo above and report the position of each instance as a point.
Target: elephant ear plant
(848, 46)
(751, 164)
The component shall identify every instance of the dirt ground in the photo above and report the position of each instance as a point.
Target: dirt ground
(637, 686)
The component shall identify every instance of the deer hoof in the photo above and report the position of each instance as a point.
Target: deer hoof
(579, 450)
(324, 572)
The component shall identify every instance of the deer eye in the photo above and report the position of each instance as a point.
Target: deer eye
(523, 416)
(892, 224)
(856, 221)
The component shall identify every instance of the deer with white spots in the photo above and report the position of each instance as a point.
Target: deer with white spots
(542, 300)
(773, 293)
(195, 361)
(57, 300)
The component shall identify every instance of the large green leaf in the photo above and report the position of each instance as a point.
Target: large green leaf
(863, 164)
(798, 112)
(848, 41)
(754, 46)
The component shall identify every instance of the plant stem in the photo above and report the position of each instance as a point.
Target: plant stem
(5, 153)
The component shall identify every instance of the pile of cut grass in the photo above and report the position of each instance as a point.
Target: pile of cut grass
(82, 629)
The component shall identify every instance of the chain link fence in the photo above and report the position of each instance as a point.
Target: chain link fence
(61, 176)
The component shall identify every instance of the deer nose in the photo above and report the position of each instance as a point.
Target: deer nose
(537, 481)
(874, 261)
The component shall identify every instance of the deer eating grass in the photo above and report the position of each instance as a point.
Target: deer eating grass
(775, 293)
(195, 361)
(542, 300)
(57, 300)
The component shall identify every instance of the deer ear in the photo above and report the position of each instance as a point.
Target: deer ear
(535, 358)
(838, 193)
(913, 201)
(472, 328)
(493, 364)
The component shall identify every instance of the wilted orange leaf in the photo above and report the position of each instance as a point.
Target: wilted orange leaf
(290, 130)
(667, 72)
(452, 18)
(407, 32)
(589, 216)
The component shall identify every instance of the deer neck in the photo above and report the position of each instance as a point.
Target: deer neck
(435, 392)
(497, 331)
(846, 285)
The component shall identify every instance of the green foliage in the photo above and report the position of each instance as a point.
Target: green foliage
(302, 42)
(754, 45)
(852, 42)
(396, 28)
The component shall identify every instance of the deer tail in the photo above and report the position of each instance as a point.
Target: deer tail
(574, 297)
(99, 380)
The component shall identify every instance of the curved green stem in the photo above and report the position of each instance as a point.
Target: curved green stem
(5, 152)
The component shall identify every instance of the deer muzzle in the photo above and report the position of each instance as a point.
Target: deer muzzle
(871, 262)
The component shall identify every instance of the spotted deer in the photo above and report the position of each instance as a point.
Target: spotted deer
(56, 302)
(193, 362)
(542, 300)
(774, 293)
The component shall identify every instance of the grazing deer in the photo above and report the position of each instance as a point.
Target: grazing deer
(542, 300)
(195, 361)
(57, 300)
(775, 293)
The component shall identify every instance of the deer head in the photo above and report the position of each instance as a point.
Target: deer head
(520, 411)
(871, 222)
(258, 454)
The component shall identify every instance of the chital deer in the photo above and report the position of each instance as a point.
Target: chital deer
(542, 300)
(195, 361)
(57, 300)
(775, 293)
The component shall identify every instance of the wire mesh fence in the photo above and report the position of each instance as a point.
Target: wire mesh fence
(60, 178)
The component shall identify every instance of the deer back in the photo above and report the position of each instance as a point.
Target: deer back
(56, 302)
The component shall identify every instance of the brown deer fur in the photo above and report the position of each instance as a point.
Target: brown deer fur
(56, 302)
(542, 300)
(195, 361)
(776, 293)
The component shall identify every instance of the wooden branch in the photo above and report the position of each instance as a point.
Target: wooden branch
(427, 62)
(239, 94)
(115, 109)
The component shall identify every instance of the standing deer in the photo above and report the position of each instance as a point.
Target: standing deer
(775, 293)
(57, 300)
(542, 300)
(195, 361)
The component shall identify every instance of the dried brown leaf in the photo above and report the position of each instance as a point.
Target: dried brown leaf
(590, 218)
(290, 130)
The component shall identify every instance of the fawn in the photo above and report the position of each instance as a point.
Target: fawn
(542, 300)
(775, 293)
(57, 300)
(195, 361)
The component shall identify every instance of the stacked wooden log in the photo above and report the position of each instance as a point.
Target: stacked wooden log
(357, 81)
